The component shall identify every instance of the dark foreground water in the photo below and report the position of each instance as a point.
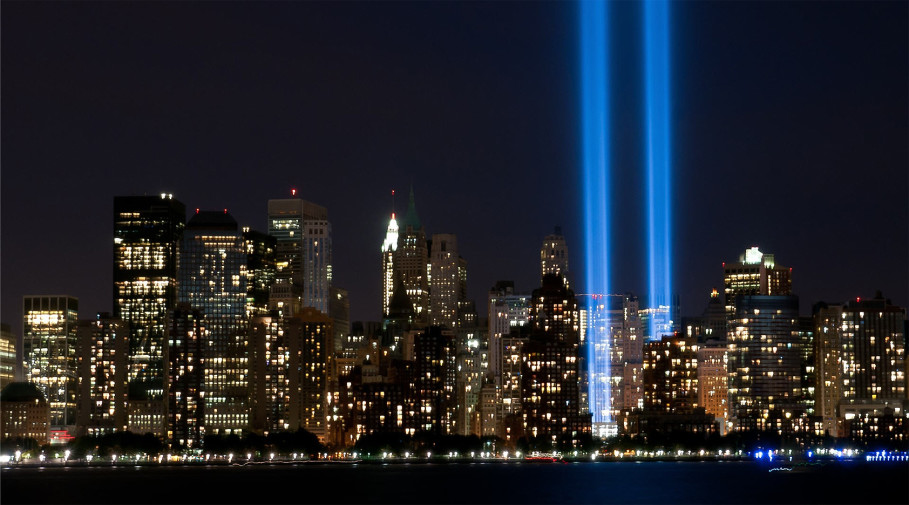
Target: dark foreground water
(651, 482)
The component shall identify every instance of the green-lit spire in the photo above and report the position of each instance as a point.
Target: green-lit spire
(411, 218)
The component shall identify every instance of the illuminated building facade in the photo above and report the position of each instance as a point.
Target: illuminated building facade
(660, 321)
(186, 378)
(828, 363)
(612, 333)
(303, 251)
(389, 246)
(103, 365)
(445, 286)
(755, 273)
(411, 262)
(550, 387)
(861, 364)
(377, 396)
(554, 255)
(148, 231)
(507, 311)
(24, 412)
(147, 415)
(435, 378)
(49, 347)
(713, 381)
(8, 359)
(260, 270)
(314, 332)
(764, 361)
(671, 375)
(873, 350)
(213, 279)
(472, 367)
(288, 371)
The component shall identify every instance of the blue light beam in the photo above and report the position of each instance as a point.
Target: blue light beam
(595, 172)
(659, 152)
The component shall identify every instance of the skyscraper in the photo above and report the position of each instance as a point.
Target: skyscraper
(303, 235)
(764, 361)
(49, 348)
(103, 365)
(550, 391)
(445, 288)
(755, 273)
(860, 361)
(554, 255)
(389, 246)
(8, 359)
(260, 269)
(671, 375)
(213, 279)
(186, 378)
(148, 231)
(411, 262)
(313, 330)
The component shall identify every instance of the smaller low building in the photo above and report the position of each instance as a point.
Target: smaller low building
(25, 412)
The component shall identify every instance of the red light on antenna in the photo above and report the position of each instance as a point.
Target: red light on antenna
(858, 298)
(197, 210)
(225, 211)
(293, 191)
(724, 264)
(392, 215)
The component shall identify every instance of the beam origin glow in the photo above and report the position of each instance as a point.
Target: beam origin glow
(659, 151)
(594, 68)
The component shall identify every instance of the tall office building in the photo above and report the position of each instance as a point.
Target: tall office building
(260, 269)
(828, 321)
(755, 273)
(389, 246)
(435, 378)
(314, 333)
(671, 375)
(550, 392)
(554, 255)
(186, 378)
(873, 349)
(445, 286)
(860, 361)
(213, 279)
(613, 338)
(411, 262)
(103, 365)
(713, 381)
(303, 252)
(49, 348)
(148, 231)
(507, 311)
(8, 360)
(764, 361)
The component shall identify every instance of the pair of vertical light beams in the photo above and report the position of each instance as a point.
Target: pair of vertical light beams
(595, 132)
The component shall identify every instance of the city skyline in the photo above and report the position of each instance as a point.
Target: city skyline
(501, 152)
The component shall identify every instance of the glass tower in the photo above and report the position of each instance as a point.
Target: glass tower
(49, 347)
(147, 235)
(213, 279)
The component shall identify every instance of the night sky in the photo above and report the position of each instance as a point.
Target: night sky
(789, 120)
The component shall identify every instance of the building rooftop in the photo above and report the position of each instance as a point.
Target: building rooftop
(21, 392)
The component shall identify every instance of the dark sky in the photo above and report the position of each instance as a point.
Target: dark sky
(789, 120)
